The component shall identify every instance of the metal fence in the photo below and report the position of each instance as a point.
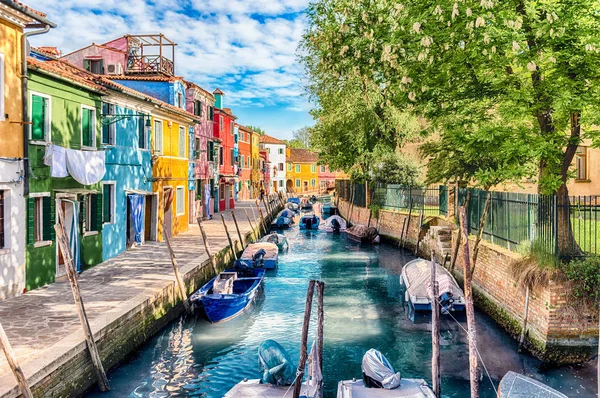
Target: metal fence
(344, 189)
(433, 201)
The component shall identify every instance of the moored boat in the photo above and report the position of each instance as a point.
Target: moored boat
(294, 200)
(292, 206)
(335, 224)
(362, 233)
(329, 209)
(284, 219)
(268, 260)
(309, 221)
(279, 239)
(514, 385)
(380, 380)
(229, 293)
(416, 276)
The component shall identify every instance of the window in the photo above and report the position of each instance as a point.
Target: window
(313, 168)
(280, 151)
(142, 144)
(197, 108)
(108, 130)
(211, 151)
(211, 113)
(221, 123)
(313, 183)
(232, 157)
(180, 198)
(2, 86)
(179, 100)
(281, 182)
(88, 126)
(242, 158)
(94, 65)
(2, 199)
(322, 169)
(196, 149)
(222, 192)
(289, 167)
(280, 166)
(158, 136)
(248, 164)
(40, 229)
(90, 213)
(297, 168)
(297, 183)
(231, 128)
(109, 200)
(221, 156)
(182, 142)
(581, 163)
(40, 117)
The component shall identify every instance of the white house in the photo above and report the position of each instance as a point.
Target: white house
(276, 150)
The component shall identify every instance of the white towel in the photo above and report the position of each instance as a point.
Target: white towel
(56, 158)
(86, 167)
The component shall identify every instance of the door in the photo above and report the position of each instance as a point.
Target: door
(168, 211)
(68, 208)
(151, 217)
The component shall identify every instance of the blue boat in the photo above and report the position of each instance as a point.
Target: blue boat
(294, 200)
(309, 221)
(329, 209)
(284, 219)
(228, 294)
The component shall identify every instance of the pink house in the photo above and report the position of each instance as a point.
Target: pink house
(326, 178)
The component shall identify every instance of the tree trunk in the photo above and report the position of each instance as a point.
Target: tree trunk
(458, 238)
(486, 209)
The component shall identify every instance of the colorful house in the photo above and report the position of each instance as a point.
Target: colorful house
(15, 19)
(277, 154)
(201, 103)
(256, 173)
(326, 179)
(302, 174)
(224, 124)
(66, 168)
(245, 162)
(265, 171)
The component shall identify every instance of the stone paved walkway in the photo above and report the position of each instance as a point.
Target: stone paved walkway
(38, 320)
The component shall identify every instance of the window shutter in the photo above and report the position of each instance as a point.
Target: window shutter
(30, 221)
(105, 127)
(85, 126)
(47, 233)
(96, 204)
(199, 108)
(141, 132)
(211, 113)
(38, 116)
(102, 66)
(86, 64)
(82, 211)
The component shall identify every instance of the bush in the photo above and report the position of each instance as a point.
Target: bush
(584, 276)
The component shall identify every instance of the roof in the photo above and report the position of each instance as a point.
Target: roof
(152, 78)
(66, 71)
(95, 45)
(302, 156)
(30, 12)
(226, 111)
(218, 91)
(267, 139)
(246, 129)
(197, 87)
(52, 51)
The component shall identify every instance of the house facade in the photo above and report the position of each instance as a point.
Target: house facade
(256, 172)
(224, 129)
(245, 162)
(14, 20)
(302, 174)
(277, 157)
(326, 178)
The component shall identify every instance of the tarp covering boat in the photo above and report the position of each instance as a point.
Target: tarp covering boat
(309, 221)
(378, 372)
(270, 258)
(363, 233)
(514, 385)
(276, 364)
(278, 239)
(335, 224)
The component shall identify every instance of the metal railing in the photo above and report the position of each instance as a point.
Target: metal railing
(433, 201)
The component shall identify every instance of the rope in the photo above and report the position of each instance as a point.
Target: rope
(476, 349)
(298, 373)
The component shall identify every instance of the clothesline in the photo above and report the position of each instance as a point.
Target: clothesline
(86, 167)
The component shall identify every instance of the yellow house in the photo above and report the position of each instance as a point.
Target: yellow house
(171, 129)
(302, 171)
(15, 21)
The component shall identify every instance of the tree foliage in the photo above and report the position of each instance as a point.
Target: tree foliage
(394, 168)
(257, 130)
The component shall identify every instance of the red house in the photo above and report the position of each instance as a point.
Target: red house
(224, 123)
(326, 179)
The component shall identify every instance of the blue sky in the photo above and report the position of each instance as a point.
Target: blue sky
(247, 48)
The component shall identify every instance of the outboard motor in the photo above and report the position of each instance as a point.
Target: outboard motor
(446, 301)
(335, 224)
(378, 372)
(276, 364)
(308, 221)
(257, 258)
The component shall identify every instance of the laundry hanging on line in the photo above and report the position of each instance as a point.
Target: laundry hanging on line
(86, 167)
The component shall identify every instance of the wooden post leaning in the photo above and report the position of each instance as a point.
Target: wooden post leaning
(419, 233)
(262, 221)
(229, 238)
(320, 321)
(402, 234)
(178, 279)
(253, 233)
(435, 331)
(63, 244)
(11, 358)
(238, 230)
(304, 340)
(473, 364)
(207, 247)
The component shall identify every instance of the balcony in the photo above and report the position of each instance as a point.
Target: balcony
(150, 55)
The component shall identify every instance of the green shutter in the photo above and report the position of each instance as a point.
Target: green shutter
(96, 213)
(105, 127)
(85, 127)
(82, 210)
(38, 117)
(141, 132)
(199, 108)
(48, 223)
(31, 221)
(86, 64)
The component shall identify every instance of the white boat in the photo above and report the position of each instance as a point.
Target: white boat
(514, 385)
(279, 239)
(416, 276)
(381, 381)
(269, 259)
(335, 224)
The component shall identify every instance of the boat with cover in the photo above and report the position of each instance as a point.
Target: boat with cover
(294, 200)
(335, 224)
(292, 206)
(309, 221)
(228, 294)
(279, 239)
(284, 219)
(514, 385)
(362, 233)
(268, 260)
(381, 381)
(416, 276)
(329, 209)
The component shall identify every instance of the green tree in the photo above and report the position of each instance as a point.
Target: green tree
(257, 130)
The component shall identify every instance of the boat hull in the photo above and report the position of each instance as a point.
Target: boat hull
(409, 388)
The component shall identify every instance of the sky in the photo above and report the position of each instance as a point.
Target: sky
(247, 48)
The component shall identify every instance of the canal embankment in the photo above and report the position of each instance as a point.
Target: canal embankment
(128, 299)
(557, 332)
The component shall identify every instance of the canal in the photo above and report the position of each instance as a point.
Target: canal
(364, 309)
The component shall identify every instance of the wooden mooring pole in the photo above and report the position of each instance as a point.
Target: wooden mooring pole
(472, 333)
(207, 246)
(253, 233)
(407, 225)
(435, 331)
(419, 233)
(178, 278)
(400, 244)
(304, 340)
(63, 244)
(262, 221)
(238, 230)
(11, 358)
(320, 322)
(231, 246)
(524, 330)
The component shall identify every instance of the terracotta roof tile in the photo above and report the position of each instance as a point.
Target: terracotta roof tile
(302, 156)
(53, 51)
(226, 111)
(66, 71)
(152, 78)
(41, 14)
(194, 85)
(267, 139)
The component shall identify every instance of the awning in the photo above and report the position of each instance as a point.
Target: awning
(138, 192)
(77, 191)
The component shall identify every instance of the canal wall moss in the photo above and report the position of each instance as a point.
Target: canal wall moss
(556, 332)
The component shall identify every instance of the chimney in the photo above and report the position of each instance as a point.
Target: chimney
(218, 98)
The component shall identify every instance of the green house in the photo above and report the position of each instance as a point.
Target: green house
(64, 104)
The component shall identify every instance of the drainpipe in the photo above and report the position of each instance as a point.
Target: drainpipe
(24, 80)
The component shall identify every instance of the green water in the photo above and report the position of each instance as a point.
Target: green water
(364, 309)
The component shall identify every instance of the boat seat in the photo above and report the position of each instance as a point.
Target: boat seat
(223, 283)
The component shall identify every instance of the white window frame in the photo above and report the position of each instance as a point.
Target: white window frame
(39, 228)
(313, 182)
(162, 125)
(322, 169)
(112, 128)
(313, 168)
(113, 199)
(94, 133)
(47, 122)
(280, 151)
(177, 201)
(182, 133)
(298, 168)
(2, 90)
(298, 183)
